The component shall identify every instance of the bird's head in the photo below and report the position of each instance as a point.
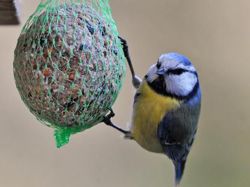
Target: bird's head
(173, 75)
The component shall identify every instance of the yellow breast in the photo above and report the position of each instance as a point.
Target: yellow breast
(149, 110)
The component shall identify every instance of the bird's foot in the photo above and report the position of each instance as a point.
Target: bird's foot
(107, 121)
(124, 46)
(136, 81)
(109, 116)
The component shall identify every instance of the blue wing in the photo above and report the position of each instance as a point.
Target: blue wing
(176, 133)
(177, 130)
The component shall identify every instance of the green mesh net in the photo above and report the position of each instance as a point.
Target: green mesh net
(69, 64)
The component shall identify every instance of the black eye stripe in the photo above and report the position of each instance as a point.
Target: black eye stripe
(177, 71)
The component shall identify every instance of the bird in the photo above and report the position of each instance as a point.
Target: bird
(166, 108)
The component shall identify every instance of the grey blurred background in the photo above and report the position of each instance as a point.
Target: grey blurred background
(214, 34)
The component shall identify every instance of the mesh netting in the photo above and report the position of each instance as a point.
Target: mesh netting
(69, 64)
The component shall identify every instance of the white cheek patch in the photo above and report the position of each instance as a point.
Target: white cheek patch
(152, 73)
(181, 85)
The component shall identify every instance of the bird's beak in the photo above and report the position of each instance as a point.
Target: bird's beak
(160, 72)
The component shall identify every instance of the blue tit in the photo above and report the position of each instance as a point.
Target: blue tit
(167, 108)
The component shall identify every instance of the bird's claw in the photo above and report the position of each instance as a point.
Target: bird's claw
(111, 113)
(124, 45)
(136, 81)
(106, 119)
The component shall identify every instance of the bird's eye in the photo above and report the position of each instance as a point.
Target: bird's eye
(177, 71)
(158, 65)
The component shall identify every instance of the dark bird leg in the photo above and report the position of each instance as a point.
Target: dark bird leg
(135, 79)
(107, 121)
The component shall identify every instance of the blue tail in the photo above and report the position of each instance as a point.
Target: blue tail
(179, 169)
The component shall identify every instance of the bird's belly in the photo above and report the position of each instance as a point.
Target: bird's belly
(148, 113)
(144, 131)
